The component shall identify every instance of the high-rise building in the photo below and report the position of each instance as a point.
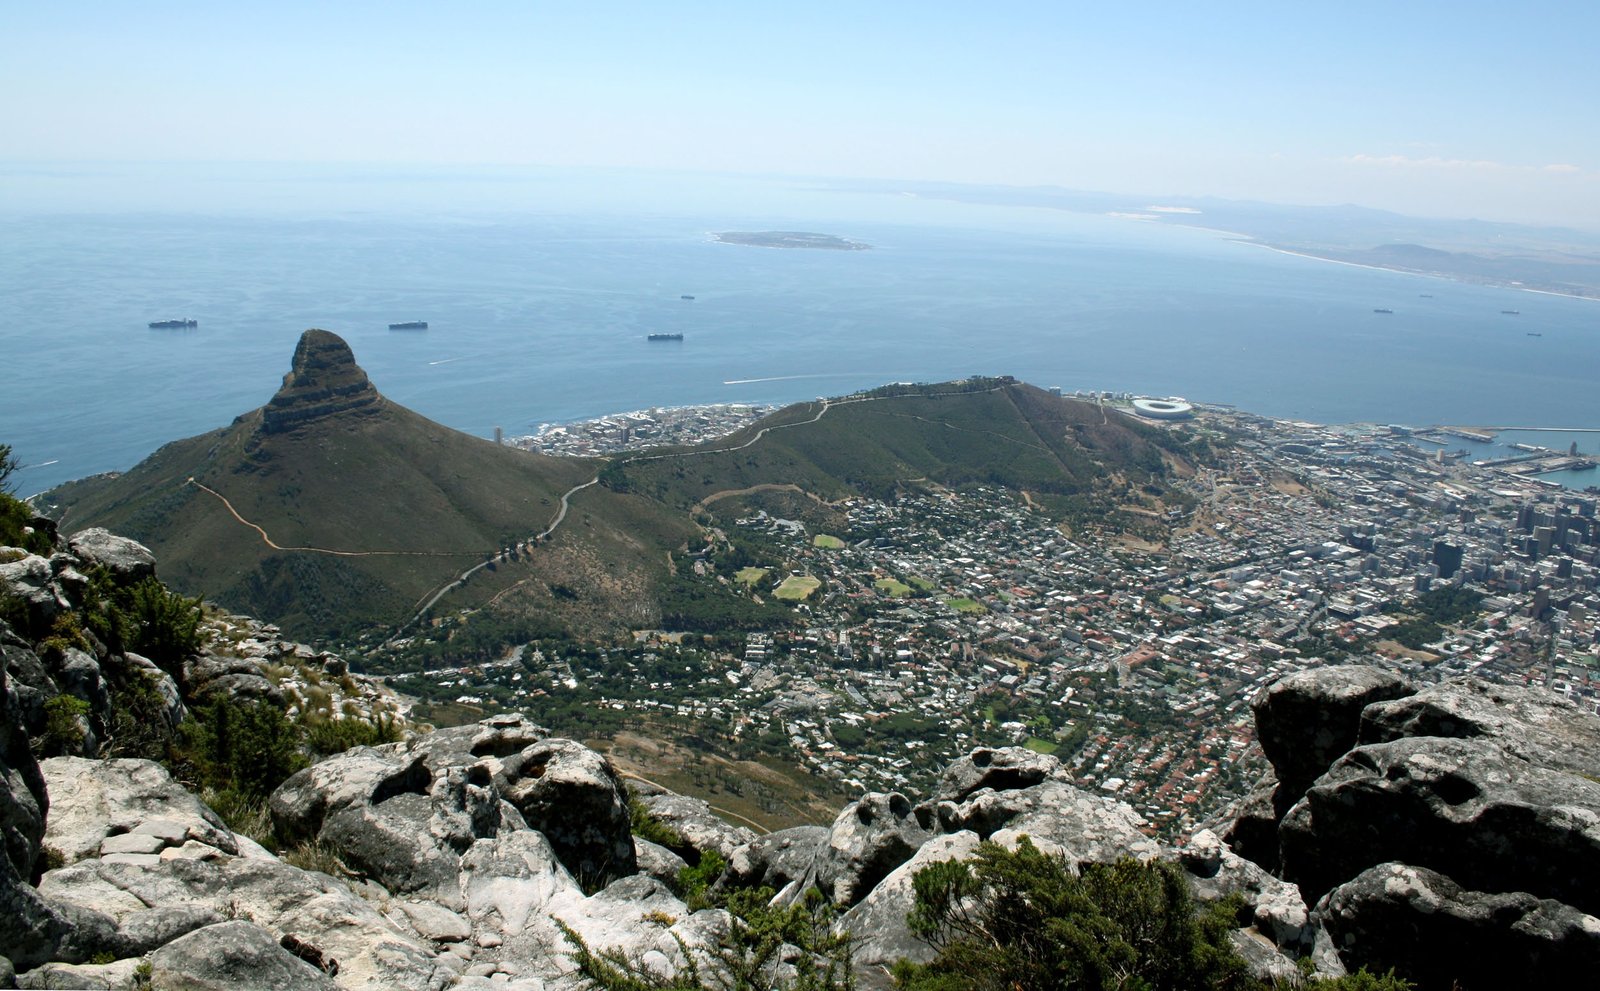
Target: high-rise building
(1447, 557)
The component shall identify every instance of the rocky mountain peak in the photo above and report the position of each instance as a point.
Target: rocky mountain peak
(324, 379)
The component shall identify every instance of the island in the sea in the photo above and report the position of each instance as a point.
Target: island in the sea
(789, 239)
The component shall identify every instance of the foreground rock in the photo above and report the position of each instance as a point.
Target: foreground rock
(1307, 720)
(1275, 907)
(314, 908)
(233, 956)
(404, 814)
(878, 921)
(30, 930)
(776, 860)
(573, 796)
(128, 559)
(1429, 928)
(1453, 838)
(126, 807)
(871, 837)
(701, 829)
(1530, 724)
(1464, 807)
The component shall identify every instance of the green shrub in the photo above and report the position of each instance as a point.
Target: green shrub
(65, 634)
(694, 882)
(161, 624)
(138, 726)
(746, 958)
(247, 748)
(327, 736)
(1021, 920)
(63, 725)
(1363, 980)
(17, 516)
(647, 827)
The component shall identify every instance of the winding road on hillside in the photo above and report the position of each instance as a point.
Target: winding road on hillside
(461, 579)
(428, 601)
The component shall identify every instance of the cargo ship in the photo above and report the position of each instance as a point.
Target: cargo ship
(174, 324)
(1382, 311)
(686, 296)
(410, 325)
(666, 337)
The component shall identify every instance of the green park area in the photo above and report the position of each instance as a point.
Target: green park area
(922, 584)
(1040, 746)
(797, 587)
(892, 587)
(963, 604)
(750, 576)
(827, 542)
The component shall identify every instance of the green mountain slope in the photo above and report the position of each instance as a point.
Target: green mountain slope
(332, 511)
(372, 507)
(1075, 457)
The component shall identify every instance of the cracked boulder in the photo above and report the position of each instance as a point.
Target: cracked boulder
(1466, 808)
(997, 769)
(128, 560)
(878, 921)
(1529, 723)
(1273, 907)
(316, 910)
(1080, 825)
(573, 796)
(872, 836)
(1442, 936)
(1307, 720)
(776, 860)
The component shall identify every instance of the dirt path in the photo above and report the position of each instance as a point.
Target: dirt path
(461, 579)
(313, 550)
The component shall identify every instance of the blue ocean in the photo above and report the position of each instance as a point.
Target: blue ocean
(539, 295)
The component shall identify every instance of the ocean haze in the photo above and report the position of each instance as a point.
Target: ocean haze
(539, 312)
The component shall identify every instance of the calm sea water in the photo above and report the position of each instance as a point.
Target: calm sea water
(541, 316)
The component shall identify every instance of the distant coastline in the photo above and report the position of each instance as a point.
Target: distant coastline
(1445, 276)
(789, 239)
(1591, 295)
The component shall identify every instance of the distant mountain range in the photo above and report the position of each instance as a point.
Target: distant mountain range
(332, 510)
(1549, 259)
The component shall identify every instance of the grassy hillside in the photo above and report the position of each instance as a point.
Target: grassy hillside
(403, 501)
(371, 507)
(332, 511)
(1076, 456)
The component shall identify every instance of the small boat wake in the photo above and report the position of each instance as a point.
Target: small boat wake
(814, 375)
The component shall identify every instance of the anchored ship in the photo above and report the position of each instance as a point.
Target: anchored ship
(666, 337)
(410, 325)
(173, 324)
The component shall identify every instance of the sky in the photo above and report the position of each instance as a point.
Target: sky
(1462, 109)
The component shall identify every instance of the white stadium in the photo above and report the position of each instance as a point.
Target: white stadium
(1171, 408)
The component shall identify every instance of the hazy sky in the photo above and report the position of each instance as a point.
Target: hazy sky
(1459, 109)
